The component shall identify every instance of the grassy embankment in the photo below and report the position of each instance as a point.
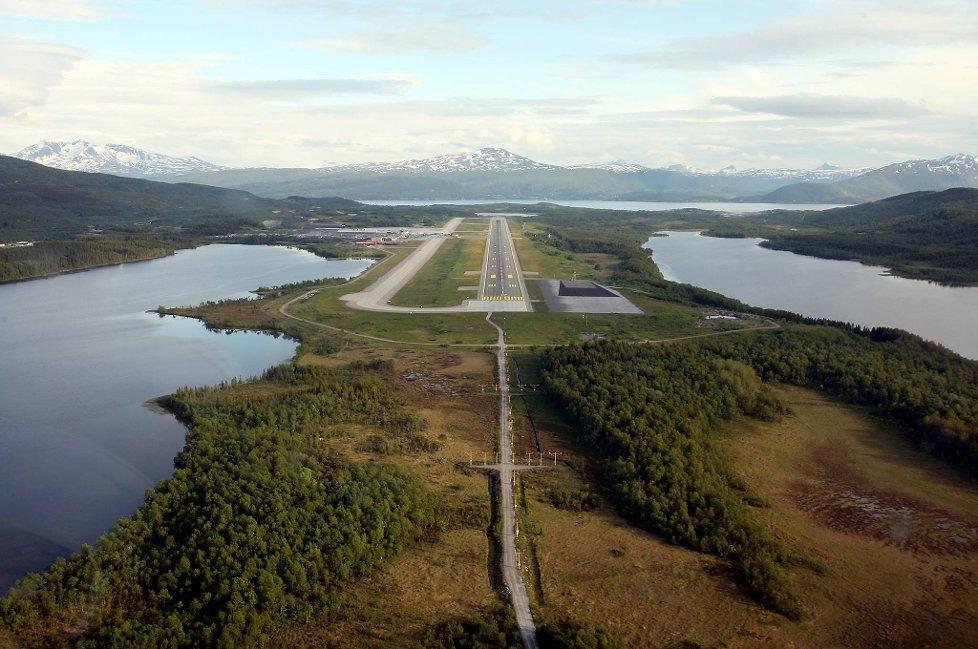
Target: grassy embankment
(331, 317)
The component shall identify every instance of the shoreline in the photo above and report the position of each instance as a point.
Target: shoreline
(95, 266)
(769, 244)
(160, 405)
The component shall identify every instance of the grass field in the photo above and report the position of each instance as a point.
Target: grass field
(437, 283)
(546, 261)
(827, 473)
(661, 320)
(473, 225)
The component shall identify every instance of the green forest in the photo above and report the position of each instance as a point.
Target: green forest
(930, 390)
(258, 525)
(649, 412)
(497, 630)
(58, 256)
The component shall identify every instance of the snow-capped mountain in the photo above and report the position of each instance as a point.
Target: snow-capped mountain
(500, 160)
(615, 166)
(494, 174)
(115, 159)
(486, 159)
(958, 170)
(686, 170)
(959, 166)
(823, 173)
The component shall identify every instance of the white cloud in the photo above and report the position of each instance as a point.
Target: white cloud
(310, 88)
(816, 33)
(29, 69)
(442, 36)
(807, 105)
(553, 104)
(49, 9)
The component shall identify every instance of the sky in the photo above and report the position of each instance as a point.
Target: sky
(304, 83)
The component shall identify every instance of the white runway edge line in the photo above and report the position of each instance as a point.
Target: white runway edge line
(507, 502)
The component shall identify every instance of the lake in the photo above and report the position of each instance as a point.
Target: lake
(825, 288)
(651, 206)
(79, 358)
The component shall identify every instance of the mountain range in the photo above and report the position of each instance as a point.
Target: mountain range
(498, 174)
(37, 201)
(957, 170)
(116, 159)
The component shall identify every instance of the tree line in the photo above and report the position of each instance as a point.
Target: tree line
(932, 391)
(257, 526)
(57, 256)
(649, 412)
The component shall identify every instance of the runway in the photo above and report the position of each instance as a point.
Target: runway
(502, 278)
(501, 285)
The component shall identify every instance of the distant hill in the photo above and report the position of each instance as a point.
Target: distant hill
(36, 200)
(494, 174)
(959, 170)
(894, 212)
(117, 159)
(497, 174)
(825, 193)
(924, 235)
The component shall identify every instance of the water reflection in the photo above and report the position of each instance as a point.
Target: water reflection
(840, 290)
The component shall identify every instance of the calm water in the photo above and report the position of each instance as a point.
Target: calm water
(651, 206)
(78, 359)
(841, 290)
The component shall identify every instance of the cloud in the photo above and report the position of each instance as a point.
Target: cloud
(807, 105)
(812, 34)
(306, 88)
(359, 107)
(71, 10)
(442, 36)
(29, 69)
(368, 8)
(462, 107)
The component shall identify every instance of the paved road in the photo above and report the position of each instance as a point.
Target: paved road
(502, 279)
(376, 296)
(511, 572)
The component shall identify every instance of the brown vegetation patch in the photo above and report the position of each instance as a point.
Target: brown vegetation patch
(833, 493)
(447, 360)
